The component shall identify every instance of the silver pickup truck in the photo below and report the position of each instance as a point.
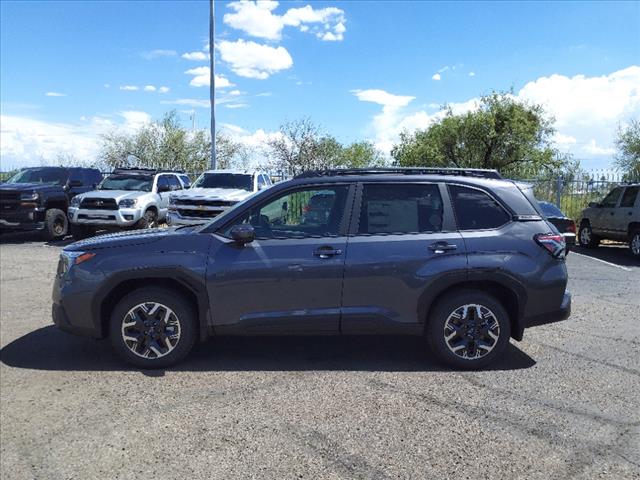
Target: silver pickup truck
(616, 217)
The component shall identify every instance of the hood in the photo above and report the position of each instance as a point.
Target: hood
(117, 194)
(27, 187)
(126, 239)
(228, 194)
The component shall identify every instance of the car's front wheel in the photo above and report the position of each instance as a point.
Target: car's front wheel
(468, 329)
(634, 243)
(153, 328)
(586, 237)
(148, 220)
(55, 224)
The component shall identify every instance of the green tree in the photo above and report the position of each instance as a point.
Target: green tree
(360, 155)
(628, 149)
(504, 133)
(166, 144)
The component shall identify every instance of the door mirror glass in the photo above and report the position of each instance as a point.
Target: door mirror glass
(75, 183)
(243, 233)
(163, 188)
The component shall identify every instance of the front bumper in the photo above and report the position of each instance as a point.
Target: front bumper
(71, 306)
(27, 219)
(562, 313)
(123, 217)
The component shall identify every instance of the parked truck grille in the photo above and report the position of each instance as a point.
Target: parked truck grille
(99, 204)
(199, 213)
(205, 203)
(9, 201)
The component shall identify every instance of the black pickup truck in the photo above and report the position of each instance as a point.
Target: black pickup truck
(37, 198)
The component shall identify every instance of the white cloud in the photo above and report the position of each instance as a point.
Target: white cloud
(259, 20)
(199, 56)
(254, 60)
(106, 85)
(27, 142)
(201, 78)
(235, 93)
(153, 54)
(129, 88)
(55, 94)
(163, 89)
(472, 74)
(236, 105)
(149, 88)
(587, 111)
(383, 98)
(436, 76)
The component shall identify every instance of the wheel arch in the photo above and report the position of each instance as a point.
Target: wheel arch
(508, 292)
(59, 203)
(120, 286)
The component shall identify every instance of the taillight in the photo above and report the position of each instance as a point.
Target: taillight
(572, 227)
(552, 243)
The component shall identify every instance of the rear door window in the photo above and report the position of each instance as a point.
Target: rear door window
(611, 200)
(476, 210)
(629, 197)
(400, 208)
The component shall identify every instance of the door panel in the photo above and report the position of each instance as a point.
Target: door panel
(603, 222)
(277, 286)
(387, 278)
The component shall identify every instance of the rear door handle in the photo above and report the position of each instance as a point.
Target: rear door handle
(327, 252)
(441, 247)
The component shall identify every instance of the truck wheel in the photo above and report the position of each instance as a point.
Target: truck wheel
(153, 328)
(634, 243)
(80, 232)
(55, 224)
(148, 220)
(586, 237)
(468, 329)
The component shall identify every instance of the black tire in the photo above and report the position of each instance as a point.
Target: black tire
(184, 314)
(56, 224)
(437, 329)
(586, 237)
(80, 232)
(634, 243)
(148, 220)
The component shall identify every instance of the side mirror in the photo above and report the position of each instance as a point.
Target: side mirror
(75, 183)
(594, 205)
(163, 188)
(243, 234)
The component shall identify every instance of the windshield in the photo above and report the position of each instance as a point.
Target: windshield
(50, 176)
(550, 210)
(142, 183)
(225, 180)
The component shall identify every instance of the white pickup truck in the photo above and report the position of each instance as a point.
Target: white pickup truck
(212, 193)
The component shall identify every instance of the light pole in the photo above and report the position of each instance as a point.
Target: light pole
(212, 78)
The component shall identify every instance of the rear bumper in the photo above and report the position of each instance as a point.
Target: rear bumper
(557, 316)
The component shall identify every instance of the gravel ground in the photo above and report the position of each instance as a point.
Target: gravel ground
(561, 404)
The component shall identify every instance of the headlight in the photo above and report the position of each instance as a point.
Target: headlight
(69, 259)
(75, 201)
(29, 196)
(127, 203)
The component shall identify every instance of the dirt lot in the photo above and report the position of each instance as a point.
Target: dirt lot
(562, 404)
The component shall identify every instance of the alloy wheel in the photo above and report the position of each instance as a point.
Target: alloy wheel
(58, 226)
(151, 330)
(471, 331)
(635, 244)
(585, 236)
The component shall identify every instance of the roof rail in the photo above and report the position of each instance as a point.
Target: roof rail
(462, 172)
(144, 170)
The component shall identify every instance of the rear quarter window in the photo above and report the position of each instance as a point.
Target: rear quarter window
(476, 210)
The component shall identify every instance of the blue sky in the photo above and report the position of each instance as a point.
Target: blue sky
(360, 69)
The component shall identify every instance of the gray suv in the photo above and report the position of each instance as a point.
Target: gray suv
(616, 217)
(461, 257)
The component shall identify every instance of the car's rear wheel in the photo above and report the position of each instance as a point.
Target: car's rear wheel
(586, 237)
(55, 224)
(153, 328)
(468, 329)
(634, 243)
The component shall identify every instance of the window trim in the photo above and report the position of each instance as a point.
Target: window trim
(354, 226)
(486, 192)
(344, 223)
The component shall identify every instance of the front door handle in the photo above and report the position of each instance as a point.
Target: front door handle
(441, 247)
(327, 252)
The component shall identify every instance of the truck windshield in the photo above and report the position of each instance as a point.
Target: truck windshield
(50, 176)
(141, 183)
(224, 180)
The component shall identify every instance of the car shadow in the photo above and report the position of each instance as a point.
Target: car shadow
(51, 349)
(617, 253)
(20, 238)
